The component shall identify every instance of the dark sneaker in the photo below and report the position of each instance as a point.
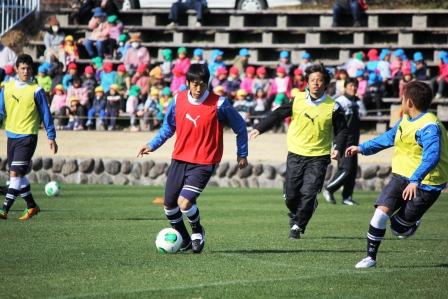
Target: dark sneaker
(328, 196)
(411, 231)
(294, 232)
(349, 201)
(186, 245)
(198, 241)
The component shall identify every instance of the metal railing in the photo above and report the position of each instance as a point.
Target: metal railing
(12, 12)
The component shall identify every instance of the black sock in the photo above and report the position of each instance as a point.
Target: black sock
(25, 193)
(194, 219)
(374, 237)
(177, 222)
(10, 196)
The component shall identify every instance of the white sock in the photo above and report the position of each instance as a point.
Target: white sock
(379, 219)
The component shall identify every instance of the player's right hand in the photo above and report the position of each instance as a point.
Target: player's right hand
(254, 134)
(53, 146)
(145, 150)
(352, 150)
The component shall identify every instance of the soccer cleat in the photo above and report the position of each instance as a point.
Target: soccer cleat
(29, 213)
(328, 196)
(411, 231)
(198, 241)
(349, 201)
(366, 263)
(294, 233)
(186, 245)
(3, 214)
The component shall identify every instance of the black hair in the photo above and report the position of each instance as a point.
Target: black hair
(76, 79)
(25, 59)
(419, 93)
(318, 68)
(353, 81)
(198, 72)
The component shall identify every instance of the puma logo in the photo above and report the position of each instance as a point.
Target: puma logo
(193, 120)
(401, 132)
(15, 98)
(311, 118)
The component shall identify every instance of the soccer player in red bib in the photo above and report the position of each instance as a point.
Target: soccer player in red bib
(197, 116)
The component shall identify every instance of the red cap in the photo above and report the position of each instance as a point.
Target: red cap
(373, 54)
(261, 70)
(108, 67)
(281, 70)
(9, 69)
(234, 71)
(221, 71)
(121, 68)
(88, 69)
(298, 71)
(141, 68)
(250, 70)
(72, 66)
(406, 71)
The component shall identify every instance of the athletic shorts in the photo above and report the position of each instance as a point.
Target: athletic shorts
(410, 210)
(186, 180)
(20, 153)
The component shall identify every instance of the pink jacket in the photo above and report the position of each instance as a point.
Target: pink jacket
(247, 84)
(395, 66)
(183, 65)
(80, 93)
(58, 102)
(142, 81)
(176, 82)
(135, 57)
(115, 30)
(280, 85)
(362, 87)
(100, 31)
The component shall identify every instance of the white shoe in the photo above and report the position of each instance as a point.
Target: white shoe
(438, 96)
(365, 263)
(198, 24)
(171, 25)
(328, 196)
(349, 201)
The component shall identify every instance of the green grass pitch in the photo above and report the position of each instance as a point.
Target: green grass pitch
(98, 242)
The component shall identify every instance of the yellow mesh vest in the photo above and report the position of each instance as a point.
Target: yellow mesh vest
(311, 130)
(22, 115)
(408, 153)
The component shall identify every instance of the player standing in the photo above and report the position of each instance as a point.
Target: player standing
(23, 105)
(197, 117)
(419, 169)
(315, 117)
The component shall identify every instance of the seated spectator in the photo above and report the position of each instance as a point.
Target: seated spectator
(420, 66)
(180, 7)
(76, 112)
(167, 64)
(215, 61)
(67, 79)
(150, 115)
(182, 62)
(9, 72)
(122, 79)
(242, 105)
(113, 106)
(219, 90)
(69, 51)
(439, 83)
(136, 55)
(95, 44)
(141, 79)
(233, 83)
(284, 62)
(179, 79)
(279, 100)
(220, 79)
(98, 66)
(43, 79)
(261, 82)
(373, 97)
(354, 64)
(107, 76)
(123, 47)
(165, 99)
(82, 11)
(372, 64)
(110, 7)
(58, 105)
(341, 77)
(78, 91)
(156, 78)
(89, 83)
(198, 56)
(241, 60)
(306, 61)
(248, 81)
(281, 83)
(57, 74)
(362, 84)
(298, 80)
(98, 109)
(53, 39)
(355, 8)
(260, 106)
(407, 77)
(131, 106)
(115, 28)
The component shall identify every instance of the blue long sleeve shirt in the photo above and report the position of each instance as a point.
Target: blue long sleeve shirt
(226, 115)
(429, 138)
(44, 111)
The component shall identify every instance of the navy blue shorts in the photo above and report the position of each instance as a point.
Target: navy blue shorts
(20, 153)
(408, 210)
(186, 180)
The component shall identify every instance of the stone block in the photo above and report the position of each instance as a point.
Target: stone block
(222, 169)
(370, 172)
(113, 167)
(70, 166)
(86, 166)
(126, 166)
(47, 163)
(245, 172)
(37, 164)
(99, 166)
(58, 163)
(384, 171)
(258, 169)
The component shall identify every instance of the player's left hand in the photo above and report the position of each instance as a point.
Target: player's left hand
(53, 146)
(410, 192)
(242, 162)
(145, 150)
(335, 154)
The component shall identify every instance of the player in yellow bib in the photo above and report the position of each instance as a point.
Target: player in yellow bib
(23, 106)
(315, 119)
(419, 169)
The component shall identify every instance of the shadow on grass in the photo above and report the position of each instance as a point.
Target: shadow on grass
(443, 266)
(139, 219)
(265, 251)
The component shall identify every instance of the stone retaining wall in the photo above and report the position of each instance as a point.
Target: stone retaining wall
(149, 172)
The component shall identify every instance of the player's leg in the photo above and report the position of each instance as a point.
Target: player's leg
(293, 183)
(13, 189)
(350, 181)
(388, 201)
(334, 184)
(313, 181)
(406, 221)
(174, 183)
(196, 178)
